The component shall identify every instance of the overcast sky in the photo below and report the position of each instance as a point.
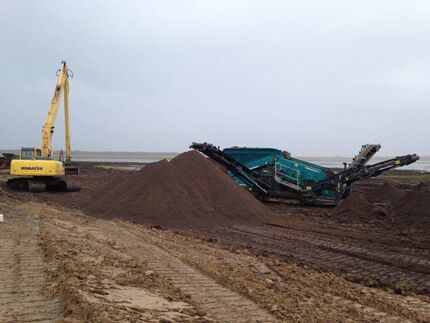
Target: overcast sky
(313, 77)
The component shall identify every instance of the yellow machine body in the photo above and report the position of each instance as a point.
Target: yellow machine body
(36, 167)
(36, 170)
(39, 161)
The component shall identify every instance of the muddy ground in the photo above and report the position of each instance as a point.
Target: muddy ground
(58, 263)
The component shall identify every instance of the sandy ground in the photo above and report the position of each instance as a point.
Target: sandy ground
(59, 264)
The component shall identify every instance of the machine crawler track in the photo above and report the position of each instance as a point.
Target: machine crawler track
(36, 185)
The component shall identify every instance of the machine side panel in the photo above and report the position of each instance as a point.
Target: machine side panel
(303, 170)
(34, 167)
(248, 155)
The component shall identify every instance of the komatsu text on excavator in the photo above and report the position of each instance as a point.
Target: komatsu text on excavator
(36, 169)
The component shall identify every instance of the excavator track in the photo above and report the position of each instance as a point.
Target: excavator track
(36, 185)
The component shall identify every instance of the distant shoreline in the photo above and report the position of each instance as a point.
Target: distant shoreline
(149, 157)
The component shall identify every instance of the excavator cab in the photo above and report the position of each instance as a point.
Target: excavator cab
(36, 154)
(30, 153)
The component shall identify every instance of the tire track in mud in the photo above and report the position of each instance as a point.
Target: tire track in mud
(368, 312)
(218, 301)
(413, 308)
(371, 312)
(22, 273)
(184, 277)
(338, 256)
(401, 260)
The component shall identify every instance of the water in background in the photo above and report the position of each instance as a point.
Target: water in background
(125, 157)
(337, 162)
(330, 162)
(142, 157)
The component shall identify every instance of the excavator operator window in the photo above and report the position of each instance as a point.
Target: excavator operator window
(30, 153)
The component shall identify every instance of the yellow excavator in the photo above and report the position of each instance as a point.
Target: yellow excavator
(36, 169)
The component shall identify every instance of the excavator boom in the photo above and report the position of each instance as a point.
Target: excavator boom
(62, 87)
(48, 126)
(66, 118)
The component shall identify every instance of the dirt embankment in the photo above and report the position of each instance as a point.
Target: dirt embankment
(413, 210)
(386, 193)
(388, 207)
(357, 207)
(187, 192)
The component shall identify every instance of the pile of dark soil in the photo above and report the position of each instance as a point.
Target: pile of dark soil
(357, 209)
(386, 193)
(413, 211)
(187, 192)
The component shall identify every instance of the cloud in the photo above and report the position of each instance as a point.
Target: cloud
(316, 78)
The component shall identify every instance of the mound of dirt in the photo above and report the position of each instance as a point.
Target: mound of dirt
(413, 211)
(189, 191)
(386, 192)
(357, 209)
(219, 190)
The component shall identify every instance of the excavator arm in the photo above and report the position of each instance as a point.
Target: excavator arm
(62, 87)
(66, 120)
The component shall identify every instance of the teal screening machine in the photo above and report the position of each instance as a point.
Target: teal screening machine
(273, 175)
